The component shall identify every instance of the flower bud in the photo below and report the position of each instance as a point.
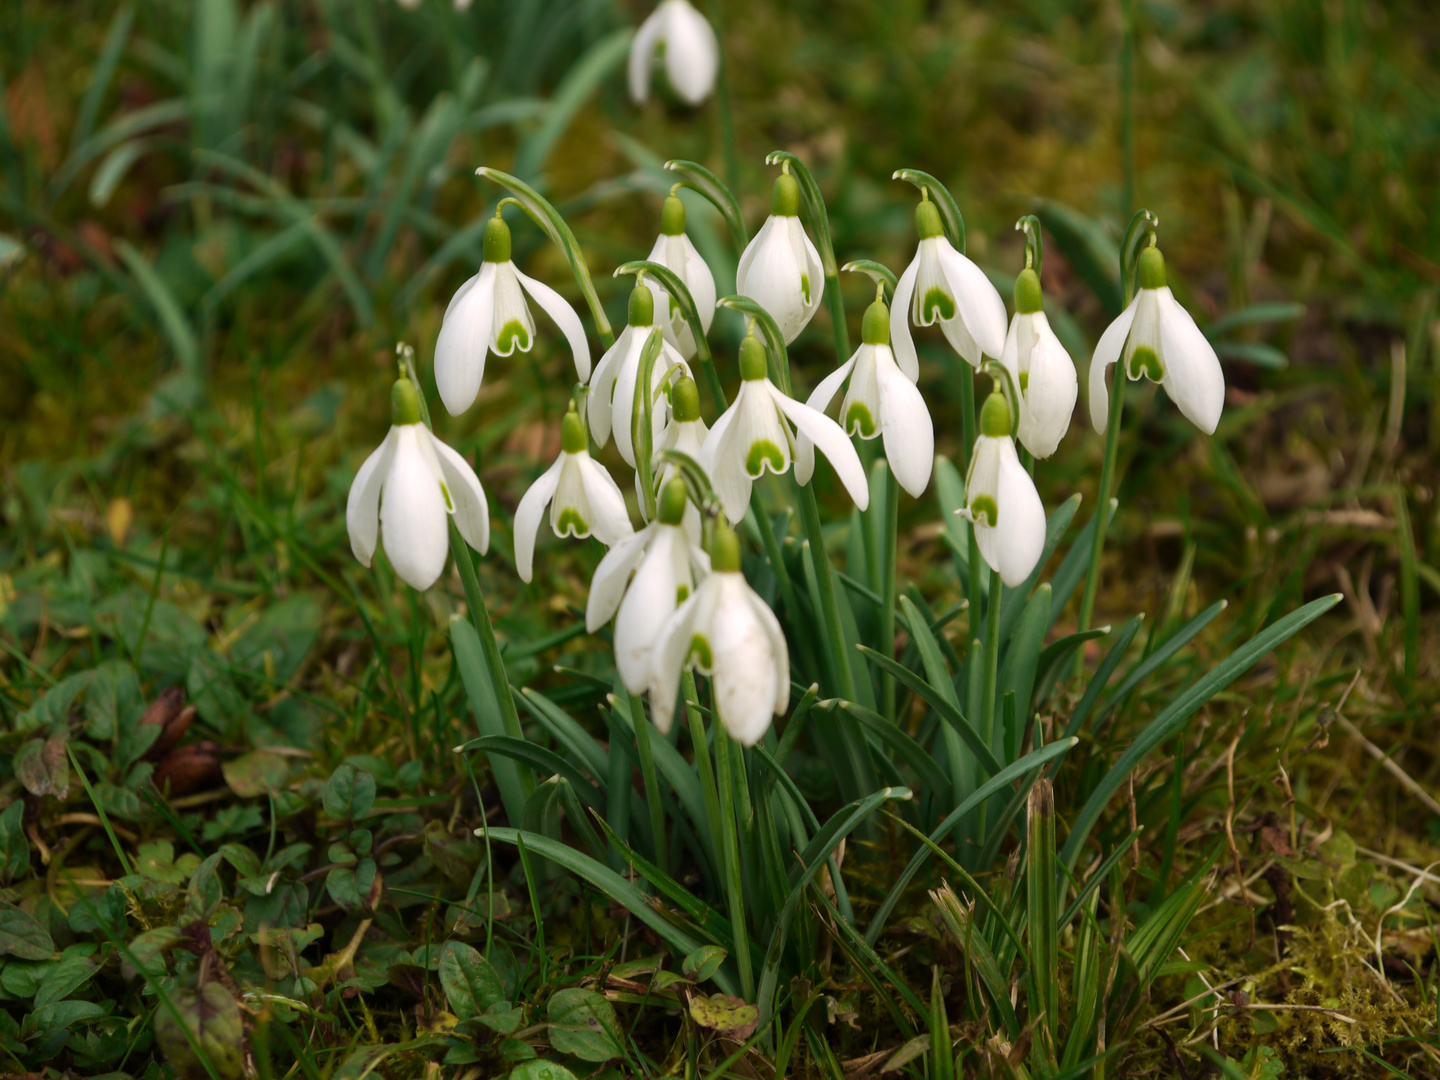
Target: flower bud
(673, 498)
(642, 306)
(724, 548)
(685, 400)
(497, 240)
(752, 359)
(404, 403)
(1028, 299)
(785, 196)
(1150, 269)
(927, 220)
(995, 416)
(572, 433)
(875, 328)
(672, 217)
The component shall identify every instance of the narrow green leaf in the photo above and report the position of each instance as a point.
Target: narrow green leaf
(775, 348)
(899, 743)
(546, 761)
(1087, 247)
(568, 732)
(1022, 657)
(1152, 663)
(1254, 315)
(1042, 979)
(877, 272)
(581, 80)
(479, 691)
(1107, 667)
(167, 308)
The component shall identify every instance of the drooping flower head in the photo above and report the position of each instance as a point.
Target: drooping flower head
(584, 499)
(612, 392)
(880, 401)
(1001, 501)
(754, 435)
(1158, 340)
(404, 492)
(690, 51)
(780, 269)
(1042, 370)
(674, 251)
(685, 433)
(940, 284)
(726, 631)
(489, 314)
(666, 563)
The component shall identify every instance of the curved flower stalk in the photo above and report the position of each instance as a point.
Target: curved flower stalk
(691, 53)
(780, 269)
(1001, 500)
(940, 283)
(686, 433)
(1159, 340)
(727, 632)
(880, 401)
(404, 491)
(1042, 370)
(612, 391)
(674, 250)
(753, 435)
(666, 563)
(489, 314)
(584, 499)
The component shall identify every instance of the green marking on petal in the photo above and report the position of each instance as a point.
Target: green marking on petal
(513, 333)
(937, 302)
(682, 593)
(1024, 381)
(983, 506)
(761, 451)
(571, 523)
(700, 650)
(805, 287)
(859, 417)
(449, 503)
(1144, 361)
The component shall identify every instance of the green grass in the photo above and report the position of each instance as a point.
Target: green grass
(194, 356)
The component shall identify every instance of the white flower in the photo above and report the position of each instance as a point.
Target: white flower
(1161, 342)
(752, 435)
(692, 55)
(674, 251)
(780, 269)
(940, 283)
(686, 433)
(1042, 368)
(489, 314)
(881, 401)
(584, 499)
(667, 563)
(727, 632)
(1001, 500)
(612, 391)
(404, 491)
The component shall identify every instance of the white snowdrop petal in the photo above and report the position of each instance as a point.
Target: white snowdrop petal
(779, 651)
(819, 400)
(744, 674)
(831, 441)
(1193, 379)
(652, 596)
(512, 326)
(362, 506)
(808, 257)
(642, 54)
(471, 510)
(530, 513)
(900, 339)
(565, 318)
(908, 430)
(692, 56)
(1021, 529)
(598, 404)
(668, 658)
(772, 277)
(412, 512)
(978, 303)
(695, 272)
(464, 340)
(607, 504)
(1052, 389)
(607, 585)
(1107, 351)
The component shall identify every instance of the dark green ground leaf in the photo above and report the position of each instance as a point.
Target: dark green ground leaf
(349, 793)
(583, 1024)
(471, 985)
(14, 846)
(43, 766)
(21, 935)
(703, 962)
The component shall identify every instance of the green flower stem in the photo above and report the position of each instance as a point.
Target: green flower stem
(1127, 99)
(967, 446)
(835, 304)
(703, 766)
(652, 781)
(1102, 509)
(722, 97)
(734, 885)
(890, 585)
(783, 578)
(992, 657)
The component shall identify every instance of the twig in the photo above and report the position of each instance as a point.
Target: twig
(1230, 829)
(1389, 765)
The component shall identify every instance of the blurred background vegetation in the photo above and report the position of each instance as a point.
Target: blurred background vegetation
(218, 217)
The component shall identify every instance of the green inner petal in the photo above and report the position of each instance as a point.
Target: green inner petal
(682, 593)
(700, 651)
(1145, 362)
(513, 333)
(858, 417)
(445, 491)
(1024, 381)
(805, 287)
(983, 506)
(937, 302)
(761, 451)
(571, 523)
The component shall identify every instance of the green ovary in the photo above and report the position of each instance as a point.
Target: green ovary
(984, 506)
(937, 302)
(858, 417)
(1144, 361)
(571, 523)
(700, 652)
(511, 335)
(761, 451)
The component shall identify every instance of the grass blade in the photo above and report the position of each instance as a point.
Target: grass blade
(167, 308)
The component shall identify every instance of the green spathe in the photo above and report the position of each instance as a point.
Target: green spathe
(1150, 269)
(572, 433)
(497, 240)
(404, 403)
(724, 548)
(685, 400)
(875, 329)
(642, 306)
(995, 417)
(752, 359)
(672, 217)
(672, 502)
(785, 197)
(1028, 299)
(927, 221)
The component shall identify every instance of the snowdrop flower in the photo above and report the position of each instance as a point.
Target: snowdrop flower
(667, 563)
(489, 314)
(1159, 340)
(940, 283)
(780, 269)
(1001, 500)
(404, 491)
(584, 499)
(674, 251)
(880, 401)
(691, 53)
(727, 632)
(1042, 369)
(612, 392)
(686, 433)
(753, 436)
